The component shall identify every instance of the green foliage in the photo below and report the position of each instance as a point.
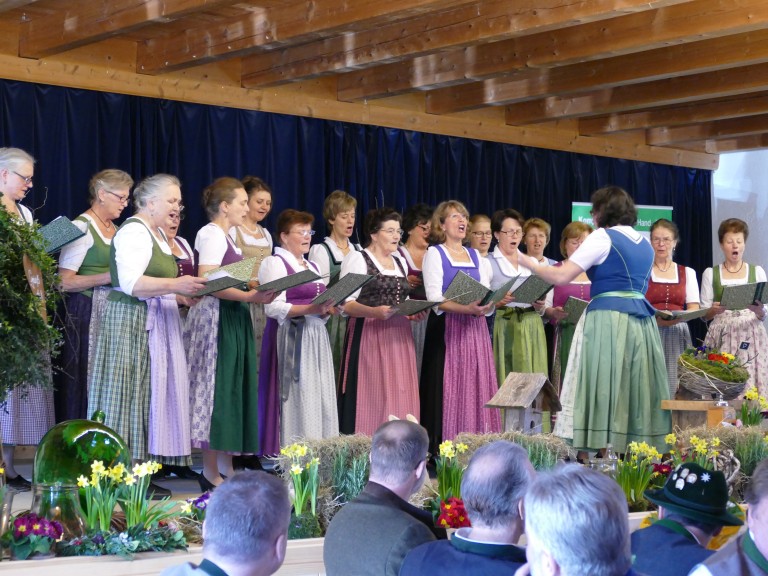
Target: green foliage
(350, 475)
(166, 538)
(751, 448)
(27, 341)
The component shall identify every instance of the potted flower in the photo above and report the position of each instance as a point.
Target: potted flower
(753, 407)
(31, 536)
(303, 474)
(706, 370)
(448, 508)
(635, 473)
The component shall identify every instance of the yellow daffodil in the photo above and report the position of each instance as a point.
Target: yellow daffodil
(715, 442)
(186, 508)
(296, 469)
(130, 479)
(751, 393)
(2, 470)
(461, 447)
(301, 450)
(97, 467)
(82, 481)
(671, 439)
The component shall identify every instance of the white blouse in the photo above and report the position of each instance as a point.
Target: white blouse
(273, 268)
(319, 255)
(708, 291)
(432, 270)
(133, 251)
(211, 244)
(508, 271)
(355, 263)
(73, 254)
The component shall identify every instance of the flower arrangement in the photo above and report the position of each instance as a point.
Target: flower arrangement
(701, 451)
(165, 537)
(196, 507)
(715, 363)
(452, 514)
(753, 407)
(449, 471)
(139, 511)
(305, 482)
(100, 494)
(635, 473)
(31, 535)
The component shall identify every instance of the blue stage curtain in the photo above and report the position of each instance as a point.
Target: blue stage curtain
(74, 133)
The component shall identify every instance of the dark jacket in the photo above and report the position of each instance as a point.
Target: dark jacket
(666, 548)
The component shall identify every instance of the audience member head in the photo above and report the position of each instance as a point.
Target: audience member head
(246, 524)
(576, 524)
(449, 209)
(494, 484)
(398, 456)
(697, 498)
(572, 237)
(612, 206)
(339, 214)
(757, 515)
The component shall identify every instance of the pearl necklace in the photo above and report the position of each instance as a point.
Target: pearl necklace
(455, 250)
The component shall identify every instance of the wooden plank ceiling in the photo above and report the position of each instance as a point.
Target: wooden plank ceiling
(687, 74)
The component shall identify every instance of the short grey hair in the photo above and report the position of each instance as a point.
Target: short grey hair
(151, 188)
(580, 517)
(13, 158)
(397, 449)
(245, 515)
(495, 481)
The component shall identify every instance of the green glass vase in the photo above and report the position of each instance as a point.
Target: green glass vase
(68, 449)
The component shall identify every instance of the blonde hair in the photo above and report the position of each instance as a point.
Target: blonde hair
(440, 214)
(110, 179)
(336, 202)
(573, 230)
(537, 223)
(220, 190)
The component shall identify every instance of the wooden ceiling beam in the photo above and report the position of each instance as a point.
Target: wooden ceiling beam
(83, 23)
(675, 115)
(655, 28)
(743, 144)
(672, 91)
(269, 28)
(717, 130)
(681, 59)
(484, 21)
(8, 5)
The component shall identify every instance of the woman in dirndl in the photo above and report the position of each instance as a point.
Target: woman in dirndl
(339, 215)
(305, 379)
(616, 372)
(519, 344)
(219, 339)
(378, 375)
(418, 228)
(671, 287)
(24, 418)
(740, 332)
(572, 237)
(139, 376)
(85, 282)
(255, 241)
(457, 375)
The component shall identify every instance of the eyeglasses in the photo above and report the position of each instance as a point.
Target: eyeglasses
(121, 199)
(392, 231)
(513, 233)
(304, 233)
(27, 179)
(666, 241)
(482, 234)
(424, 227)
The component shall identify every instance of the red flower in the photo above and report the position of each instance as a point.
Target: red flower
(453, 514)
(663, 469)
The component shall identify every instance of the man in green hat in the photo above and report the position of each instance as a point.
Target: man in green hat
(747, 555)
(692, 510)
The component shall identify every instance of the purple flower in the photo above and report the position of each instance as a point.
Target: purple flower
(22, 527)
(98, 539)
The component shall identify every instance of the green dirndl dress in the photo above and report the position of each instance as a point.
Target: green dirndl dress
(120, 382)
